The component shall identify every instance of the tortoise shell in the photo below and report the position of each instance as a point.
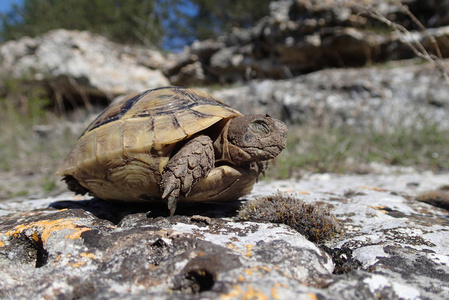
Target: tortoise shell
(122, 153)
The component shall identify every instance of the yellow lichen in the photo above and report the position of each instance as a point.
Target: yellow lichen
(78, 264)
(77, 233)
(249, 248)
(278, 285)
(253, 293)
(35, 236)
(234, 293)
(249, 272)
(312, 296)
(257, 269)
(274, 293)
(264, 268)
(49, 226)
(89, 255)
(377, 189)
(231, 246)
(381, 208)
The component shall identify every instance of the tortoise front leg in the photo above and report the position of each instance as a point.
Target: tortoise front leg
(191, 163)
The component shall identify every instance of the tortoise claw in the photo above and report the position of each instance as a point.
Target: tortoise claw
(172, 201)
(169, 186)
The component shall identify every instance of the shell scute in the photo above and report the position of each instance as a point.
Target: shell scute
(167, 130)
(191, 122)
(114, 112)
(110, 144)
(216, 110)
(138, 139)
(86, 149)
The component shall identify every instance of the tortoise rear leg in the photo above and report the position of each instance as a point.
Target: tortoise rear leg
(191, 163)
(74, 185)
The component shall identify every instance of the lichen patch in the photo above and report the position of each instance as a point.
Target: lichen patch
(46, 227)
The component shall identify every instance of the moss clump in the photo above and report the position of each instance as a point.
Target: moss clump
(438, 198)
(314, 221)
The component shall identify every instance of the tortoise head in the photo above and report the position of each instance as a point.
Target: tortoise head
(255, 138)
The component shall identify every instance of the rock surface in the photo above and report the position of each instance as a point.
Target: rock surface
(82, 63)
(365, 98)
(391, 246)
(302, 36)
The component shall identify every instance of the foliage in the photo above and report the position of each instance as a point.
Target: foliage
(130, 21)
(212, 18)
(149, 22)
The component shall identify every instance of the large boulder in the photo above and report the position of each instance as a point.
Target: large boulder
(303, 36)
(82, 63)
(386, 98)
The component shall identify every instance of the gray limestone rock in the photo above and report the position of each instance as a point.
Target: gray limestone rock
(82, 63)
(367, 98)
(302, 36)
(391, 246)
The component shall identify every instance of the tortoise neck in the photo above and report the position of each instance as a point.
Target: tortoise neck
(221, 146)
(226, 151)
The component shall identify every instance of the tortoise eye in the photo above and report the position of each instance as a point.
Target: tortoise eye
(260, 126)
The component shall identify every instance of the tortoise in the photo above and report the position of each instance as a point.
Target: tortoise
(174, 144)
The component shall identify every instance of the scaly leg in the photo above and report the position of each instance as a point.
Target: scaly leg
(192, 162)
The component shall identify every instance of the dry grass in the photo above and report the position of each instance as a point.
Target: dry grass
(433, 55)
(438, 198)
(32, 144)
(312, 220)
(346, 150)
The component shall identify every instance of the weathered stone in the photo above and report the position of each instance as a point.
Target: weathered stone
(391, 246)
(303, 36)
(82, 63)
(295, 38)
(80, 254)
(367, 98)
(189, 74)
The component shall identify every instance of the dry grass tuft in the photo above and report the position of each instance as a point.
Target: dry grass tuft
(314, 221)
(438, 198)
